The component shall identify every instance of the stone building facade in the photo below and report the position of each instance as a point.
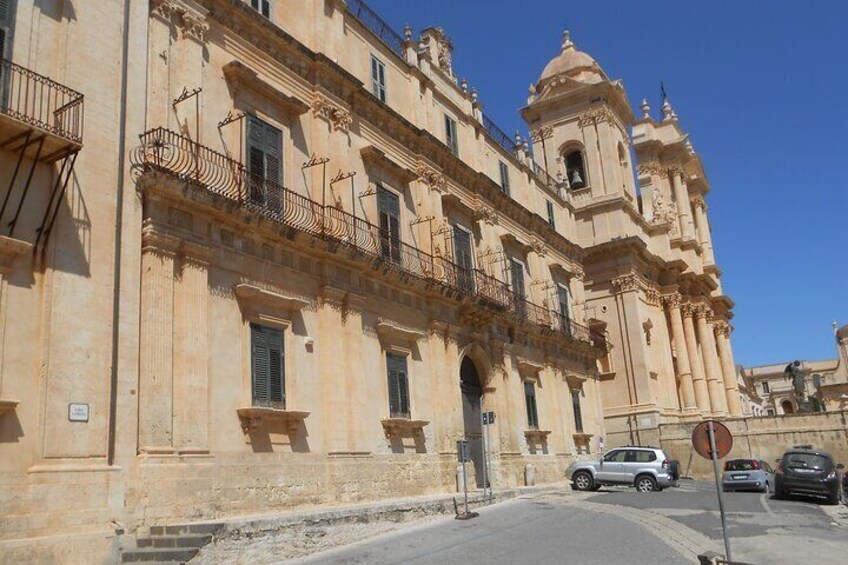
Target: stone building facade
(287, 260)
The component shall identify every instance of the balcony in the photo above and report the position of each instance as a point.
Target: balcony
(41, 120)
(166, 152)
(34, 104)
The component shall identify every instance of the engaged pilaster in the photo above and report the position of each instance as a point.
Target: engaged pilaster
(684, 370)
(702, 395)
(715, 382)
(684, 207)
(728, 367)
(156, 363)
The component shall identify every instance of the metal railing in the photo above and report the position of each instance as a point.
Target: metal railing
(543, 175)
(39, 101)
(170, 153)
(498, 135)
(371, 20)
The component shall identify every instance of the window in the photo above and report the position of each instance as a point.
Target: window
(770, 411)
(578, 412)
(5, 21)
(504, 170)
(262, 6)
(378, 78)
(563, 310)
(267, 368)
(450, 136)
(388, 210)
(551, 219)
(616, 456)
(639, 456)
(574, 170)
(464, 261)
(516, 270)
(264, 162)
(398, 386)
(530, 402)
(765, 388)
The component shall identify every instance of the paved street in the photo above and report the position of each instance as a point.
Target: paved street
(615, 525)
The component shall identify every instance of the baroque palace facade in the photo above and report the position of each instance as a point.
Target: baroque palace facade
(285, 259)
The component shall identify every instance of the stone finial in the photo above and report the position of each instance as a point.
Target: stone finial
(646, 109)
(407, 33)
(474, 94)
(517, 137)
(668, 111)
(566, 40)
(689, 147)
(464, 85)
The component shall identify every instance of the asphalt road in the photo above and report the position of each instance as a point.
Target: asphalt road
(615, 526)
(542, 529)
(761, 529)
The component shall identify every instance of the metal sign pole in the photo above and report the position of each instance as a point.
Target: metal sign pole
(488, 461)
(464, 476)
(713, 454)
(485, 421)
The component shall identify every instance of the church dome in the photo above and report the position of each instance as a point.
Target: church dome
(573, 63)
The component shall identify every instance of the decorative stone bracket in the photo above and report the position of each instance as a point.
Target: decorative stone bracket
(255, 418)
(537, 435)
(582, 442)
(7, 405)
(403, 426)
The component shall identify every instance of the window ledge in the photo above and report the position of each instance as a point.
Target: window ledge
(605, 376)
(7, 405)
(249, 292)
(10, 249)
(581, 439)
(540, 434)
(391, 330)
(397, 426)
(255, 418)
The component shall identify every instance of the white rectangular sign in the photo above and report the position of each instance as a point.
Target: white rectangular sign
(78, 412)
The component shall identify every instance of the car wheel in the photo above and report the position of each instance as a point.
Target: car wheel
(645, 483)
(582, 480)
(834, 499)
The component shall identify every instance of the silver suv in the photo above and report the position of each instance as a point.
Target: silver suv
(646, 468)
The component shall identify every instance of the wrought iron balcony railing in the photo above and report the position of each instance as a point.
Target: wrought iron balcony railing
(498, 135)
(170, 153)
(41, 102)
(371, 20)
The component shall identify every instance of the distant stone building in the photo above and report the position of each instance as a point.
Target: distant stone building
(264, 254)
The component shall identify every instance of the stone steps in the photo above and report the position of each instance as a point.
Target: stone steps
(169, 544)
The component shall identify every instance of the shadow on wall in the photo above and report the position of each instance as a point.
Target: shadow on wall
(275, 437)
(56, 9)
(410, 440)
(10, 428)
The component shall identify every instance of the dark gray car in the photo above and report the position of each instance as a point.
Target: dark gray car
(747, 474)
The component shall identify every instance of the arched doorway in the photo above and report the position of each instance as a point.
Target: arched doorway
(472, 394)
(786, 405)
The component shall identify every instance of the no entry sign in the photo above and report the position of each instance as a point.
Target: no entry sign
(701, 439)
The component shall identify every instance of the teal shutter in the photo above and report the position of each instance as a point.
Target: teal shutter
(267, 366)
(578, 413)
(398, 383)
(530, 402)
(388, 210)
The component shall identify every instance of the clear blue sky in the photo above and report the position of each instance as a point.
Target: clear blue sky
(762, 87)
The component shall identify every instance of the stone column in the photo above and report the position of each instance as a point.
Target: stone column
(10, 250)
(728, 368)
(331, 322)
(702, 395)
(703, 226)
(191, 352)
(684, 207)
(156, 356)
(684, 370)
(715, 381)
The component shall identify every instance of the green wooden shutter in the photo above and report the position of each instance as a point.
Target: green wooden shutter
(530, 402)
(267, 366)
(388, 208)
(398, 383)
(5, 21)
(578, 413)
(264, 162)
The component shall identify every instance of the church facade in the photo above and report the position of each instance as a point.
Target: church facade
(259, 255)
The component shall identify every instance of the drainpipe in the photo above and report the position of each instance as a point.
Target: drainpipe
(119, 211)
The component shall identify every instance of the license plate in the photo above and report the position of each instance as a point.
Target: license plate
(738, 477)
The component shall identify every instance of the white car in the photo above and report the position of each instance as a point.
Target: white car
(646, 468)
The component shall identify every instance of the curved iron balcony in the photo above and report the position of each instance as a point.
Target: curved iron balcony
(170, 153)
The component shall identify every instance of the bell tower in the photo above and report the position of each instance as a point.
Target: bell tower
(579, 121)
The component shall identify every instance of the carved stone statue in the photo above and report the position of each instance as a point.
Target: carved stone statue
(793, 371)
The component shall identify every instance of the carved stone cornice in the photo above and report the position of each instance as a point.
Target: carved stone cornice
(653, 295)
(702, 311)
(339, 118)
(156, 241)
(485, 213)
(601, 115)
(687, 309)
(699, 202)
(673, 300)
(651, 167)
(626, 283)
(722, 328)
(538, 246)
(430, 177)
(187, 16)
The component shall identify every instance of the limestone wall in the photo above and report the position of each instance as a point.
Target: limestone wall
(763, 438)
